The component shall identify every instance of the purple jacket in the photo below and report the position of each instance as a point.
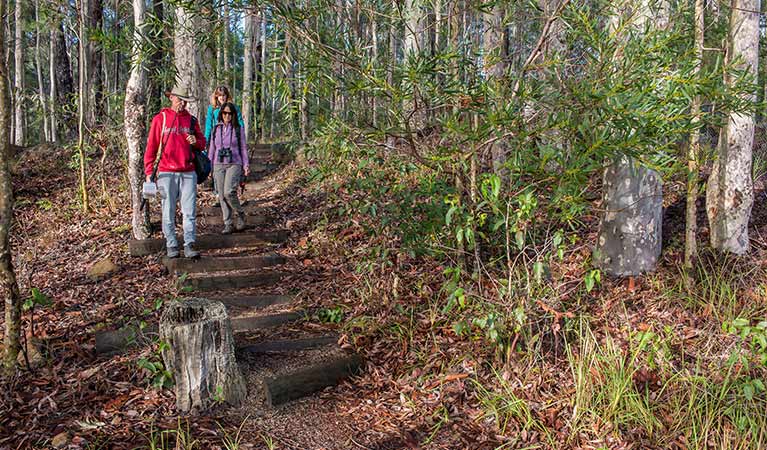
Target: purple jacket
(223, 136)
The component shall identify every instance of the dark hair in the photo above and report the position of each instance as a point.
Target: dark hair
(233, 109)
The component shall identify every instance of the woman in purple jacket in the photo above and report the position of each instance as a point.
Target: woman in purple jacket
(229, 156)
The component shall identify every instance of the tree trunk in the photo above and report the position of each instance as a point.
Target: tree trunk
(39, 70)
(227, 78)
(495, 68)
(20, 131)
(135, 119)
(247, 72)
(155, 88)
(200, 354)
(730, 194)
(693, 150)
(95, 68)
(53, 82)
(188, 58)
(7, 274)
(629, 240)
(64, 80)
(83, 64)
(262, 89)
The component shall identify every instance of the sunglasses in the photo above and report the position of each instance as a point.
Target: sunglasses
(226, 113)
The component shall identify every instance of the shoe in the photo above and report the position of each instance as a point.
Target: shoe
(239, 222)
(190, 252)
(227, 229)
(172, 252)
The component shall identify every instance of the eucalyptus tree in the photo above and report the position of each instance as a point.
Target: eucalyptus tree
(18, 55)
(7, 274)
(188, 54)
(135, 116)
(629, 240)
(730, 193)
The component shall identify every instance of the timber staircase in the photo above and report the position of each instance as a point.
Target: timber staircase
(244, 271)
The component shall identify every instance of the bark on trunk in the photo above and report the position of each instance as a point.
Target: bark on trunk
(200, 354)
(691, 222)
(20, 131)
(64, 80)
(53, 82)
(188, 57)
(629, 241)
(135, 119)
(730, 194)
(39, 70)
(83, 64)
(95, 57)
(7, 274)
(247, 72)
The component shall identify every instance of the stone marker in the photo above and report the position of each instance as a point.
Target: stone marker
(629, 241)
(200, 354)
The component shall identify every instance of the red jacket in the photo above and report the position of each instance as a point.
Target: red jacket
(176, 152)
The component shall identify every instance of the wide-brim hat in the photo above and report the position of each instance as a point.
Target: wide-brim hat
(181, 92)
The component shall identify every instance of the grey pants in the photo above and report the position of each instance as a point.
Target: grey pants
(174, 186)
(227, 180)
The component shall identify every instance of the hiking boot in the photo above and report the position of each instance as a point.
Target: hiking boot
(190, 252)
(239, 222)
(172, 252)
(227, 229)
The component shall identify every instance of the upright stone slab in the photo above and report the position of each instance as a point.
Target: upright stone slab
(629, 241)
(200, 354)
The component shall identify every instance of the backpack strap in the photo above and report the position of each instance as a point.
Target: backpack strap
(162, 147)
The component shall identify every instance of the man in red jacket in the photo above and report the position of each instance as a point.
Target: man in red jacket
(172, 135)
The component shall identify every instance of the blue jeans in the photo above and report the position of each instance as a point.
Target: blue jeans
(172, 186)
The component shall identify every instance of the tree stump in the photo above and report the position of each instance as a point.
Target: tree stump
(629, 241)
(200, 354)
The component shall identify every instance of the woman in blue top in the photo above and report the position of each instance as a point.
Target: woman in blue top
(229, 156)
(220, 96)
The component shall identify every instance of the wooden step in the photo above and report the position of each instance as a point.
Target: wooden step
(264, 167)
(243, 324)
(217, 220)
(255, 301)
(221, 264)
(224, 282)
(131, 336)
(251, 209)
(289, 345)
(209, 241)
(294, 385)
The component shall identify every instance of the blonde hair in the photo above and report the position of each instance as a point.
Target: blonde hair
(218, 91)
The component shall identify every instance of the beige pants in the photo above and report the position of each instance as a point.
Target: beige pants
(227, 178)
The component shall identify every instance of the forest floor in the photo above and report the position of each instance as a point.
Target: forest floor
(424, 385)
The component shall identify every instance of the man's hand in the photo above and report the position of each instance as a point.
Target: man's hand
(149, 178)
(247, 171)
(191, 139)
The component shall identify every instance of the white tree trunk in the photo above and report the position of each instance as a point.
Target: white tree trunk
(251, 22)
(227, 79)
(135, 119)
(53, 83)
(83, 65)
(730, 194)
(188, 57)
(39, 70)
(20, 132)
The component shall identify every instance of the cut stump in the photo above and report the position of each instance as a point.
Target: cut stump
(200, 354)
(306, 381)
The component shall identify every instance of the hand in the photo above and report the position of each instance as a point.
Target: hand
(191, 139)
(149, 178)
(247, 171)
